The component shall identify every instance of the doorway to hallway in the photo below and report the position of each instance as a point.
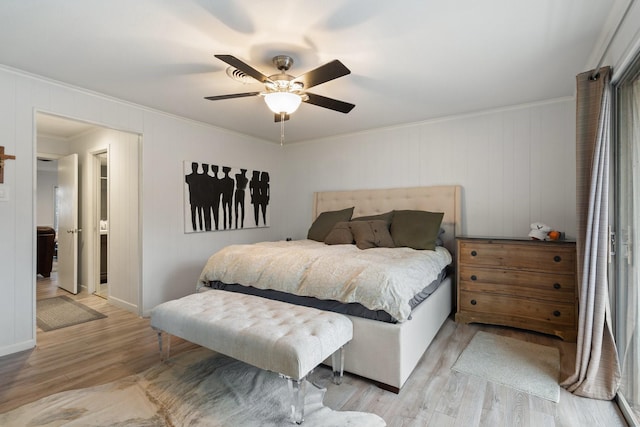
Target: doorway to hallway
(112, 154)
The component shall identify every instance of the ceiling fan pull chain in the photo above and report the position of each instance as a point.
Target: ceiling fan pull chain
(282, 114)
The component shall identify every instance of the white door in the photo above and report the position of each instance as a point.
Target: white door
(68, 223)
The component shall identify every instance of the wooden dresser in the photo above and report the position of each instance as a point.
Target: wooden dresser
(527, 284)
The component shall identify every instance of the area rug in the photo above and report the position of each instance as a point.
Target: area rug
(524, 366)
(196, 388)
(60, 312)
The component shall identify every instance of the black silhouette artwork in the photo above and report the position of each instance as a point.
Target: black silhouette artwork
(217, 201)
(241, 186)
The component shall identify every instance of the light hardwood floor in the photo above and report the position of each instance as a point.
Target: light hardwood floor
(103, 350)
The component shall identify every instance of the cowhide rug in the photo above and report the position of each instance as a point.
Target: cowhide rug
(196, 388)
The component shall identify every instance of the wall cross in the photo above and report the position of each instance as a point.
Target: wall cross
(4, 157)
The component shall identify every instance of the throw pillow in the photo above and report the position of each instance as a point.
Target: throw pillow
(340, 234)
(371, 234)
(387, 216)
(325, 222)
(416, 229)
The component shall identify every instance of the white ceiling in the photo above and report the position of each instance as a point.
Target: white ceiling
(410, 60)
(57, 127)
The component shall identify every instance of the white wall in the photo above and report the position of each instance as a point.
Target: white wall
(123, 150)
(171, 260)
(123, 254)
(47, 173)
(515, 166)
(47, 182)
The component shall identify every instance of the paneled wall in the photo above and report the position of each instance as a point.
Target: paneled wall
(516, 166)
(170, 261)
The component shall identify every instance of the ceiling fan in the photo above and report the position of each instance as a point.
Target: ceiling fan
(283, 92)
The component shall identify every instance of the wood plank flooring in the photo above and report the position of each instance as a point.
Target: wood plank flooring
(103, 350)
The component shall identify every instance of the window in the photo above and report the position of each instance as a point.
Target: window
(627, 225)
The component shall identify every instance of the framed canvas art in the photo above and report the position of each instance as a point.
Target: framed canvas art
(220, 198)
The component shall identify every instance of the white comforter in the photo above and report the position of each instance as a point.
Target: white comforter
(380, 278)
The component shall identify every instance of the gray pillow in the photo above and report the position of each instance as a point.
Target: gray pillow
(326, 221)
(340, 234)
(416, 229)
(371, 234)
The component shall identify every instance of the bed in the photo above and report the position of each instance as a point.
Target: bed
(385, 352)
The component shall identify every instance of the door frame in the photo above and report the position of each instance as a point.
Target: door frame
(94, 257)
(618, 294)
(44, 154)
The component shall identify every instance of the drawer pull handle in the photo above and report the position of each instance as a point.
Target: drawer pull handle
(557, 258)
(474, 277)
(556, 286)
(474, 253)
(556, 313)
(473, 302)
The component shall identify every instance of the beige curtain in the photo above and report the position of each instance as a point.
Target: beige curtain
(597, 371)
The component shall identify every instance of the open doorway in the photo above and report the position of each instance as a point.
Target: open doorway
(114, 258)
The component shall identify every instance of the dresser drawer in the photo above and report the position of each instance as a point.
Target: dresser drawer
(518, 256)
(512, 307)
(535, 284)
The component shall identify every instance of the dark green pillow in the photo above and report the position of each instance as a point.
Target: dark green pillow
(340, 234)
(326, 221)
(371, 234)
(416, 229)
(387, 216)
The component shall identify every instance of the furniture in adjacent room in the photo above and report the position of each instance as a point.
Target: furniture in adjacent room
(527, 284)
(103, 256)
(46, 242)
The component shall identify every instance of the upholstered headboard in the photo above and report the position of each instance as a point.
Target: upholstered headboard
(444, 198)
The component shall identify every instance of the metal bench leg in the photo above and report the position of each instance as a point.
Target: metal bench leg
(297, 390)
(337, 360)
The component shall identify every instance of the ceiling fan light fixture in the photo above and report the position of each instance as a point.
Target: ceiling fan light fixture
(282, 102)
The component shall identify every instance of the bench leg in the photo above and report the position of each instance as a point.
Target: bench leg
(337, 362)
(297, 391)
(164, 356)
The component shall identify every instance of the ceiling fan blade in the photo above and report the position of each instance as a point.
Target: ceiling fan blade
(233, 95)
(244, 67)
(322, 74)
(277, 117)
(330, 103)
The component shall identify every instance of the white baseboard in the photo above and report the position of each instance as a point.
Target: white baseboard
(124, 305)
(14, 348)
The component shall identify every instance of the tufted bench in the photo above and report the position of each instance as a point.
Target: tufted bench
(272, 335)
